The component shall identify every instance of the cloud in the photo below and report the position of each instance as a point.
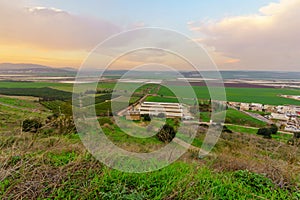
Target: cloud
(50, 28)
(267, 40)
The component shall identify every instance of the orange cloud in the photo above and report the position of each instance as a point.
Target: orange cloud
(48, 36)
(50, 28)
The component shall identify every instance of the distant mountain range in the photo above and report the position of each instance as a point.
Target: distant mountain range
(34, 69)
(10, 68)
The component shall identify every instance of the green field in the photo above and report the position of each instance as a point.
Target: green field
(256, 95)
(239, 118)
(248, 95)
(17, 102)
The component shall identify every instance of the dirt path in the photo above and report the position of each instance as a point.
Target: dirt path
(17, 107)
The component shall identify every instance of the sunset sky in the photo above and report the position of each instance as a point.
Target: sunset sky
(239, 35)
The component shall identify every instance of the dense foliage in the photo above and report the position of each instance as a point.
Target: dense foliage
(45, 93)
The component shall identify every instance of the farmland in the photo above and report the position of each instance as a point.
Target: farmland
(269, 96)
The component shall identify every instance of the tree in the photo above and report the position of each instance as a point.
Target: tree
(166, 133)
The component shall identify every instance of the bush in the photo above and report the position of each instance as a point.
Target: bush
(297, 135)
(147, 117)
(166, 133)
(266, 132)
(226, 130)
(105, 120)
(273, 129)
(31, 125)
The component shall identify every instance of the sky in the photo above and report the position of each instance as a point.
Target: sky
(238, 35)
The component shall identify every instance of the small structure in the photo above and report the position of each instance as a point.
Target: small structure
(133, 115)
(279, 117)
(268, 108)
(256, 107)
(244, 106)
(291, 128)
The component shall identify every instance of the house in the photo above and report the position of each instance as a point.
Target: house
(256, 107)
(295, 110)
(268, 108)
(282, 109)
(291, 128)
(279, 117)
(244, 106)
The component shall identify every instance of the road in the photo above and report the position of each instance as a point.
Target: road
(122, 112)
(226, 124)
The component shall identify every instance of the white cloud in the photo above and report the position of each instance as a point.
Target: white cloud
(268, 40)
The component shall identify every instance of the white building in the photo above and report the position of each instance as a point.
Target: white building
(280, 117)
(170, 110)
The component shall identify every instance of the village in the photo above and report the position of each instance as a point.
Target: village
(287, 117)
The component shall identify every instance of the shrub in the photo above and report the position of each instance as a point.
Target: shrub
(273, 128)
(166, 133)
(226, 130)
(147, 117)
(105, 120)
(31, 125)
(266, 132)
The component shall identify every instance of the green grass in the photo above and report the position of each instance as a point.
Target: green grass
(241, 129)
(61, 159)
(11, 118)
(17, 102)
(239, 118)
(105, 107)
(118, 135)
(205, 116)
(28, 84)
(279, 136)
(235, 117)
(161, 99)
(177, 181)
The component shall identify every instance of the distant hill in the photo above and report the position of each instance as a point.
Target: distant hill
(10, 68)
(256, 75)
